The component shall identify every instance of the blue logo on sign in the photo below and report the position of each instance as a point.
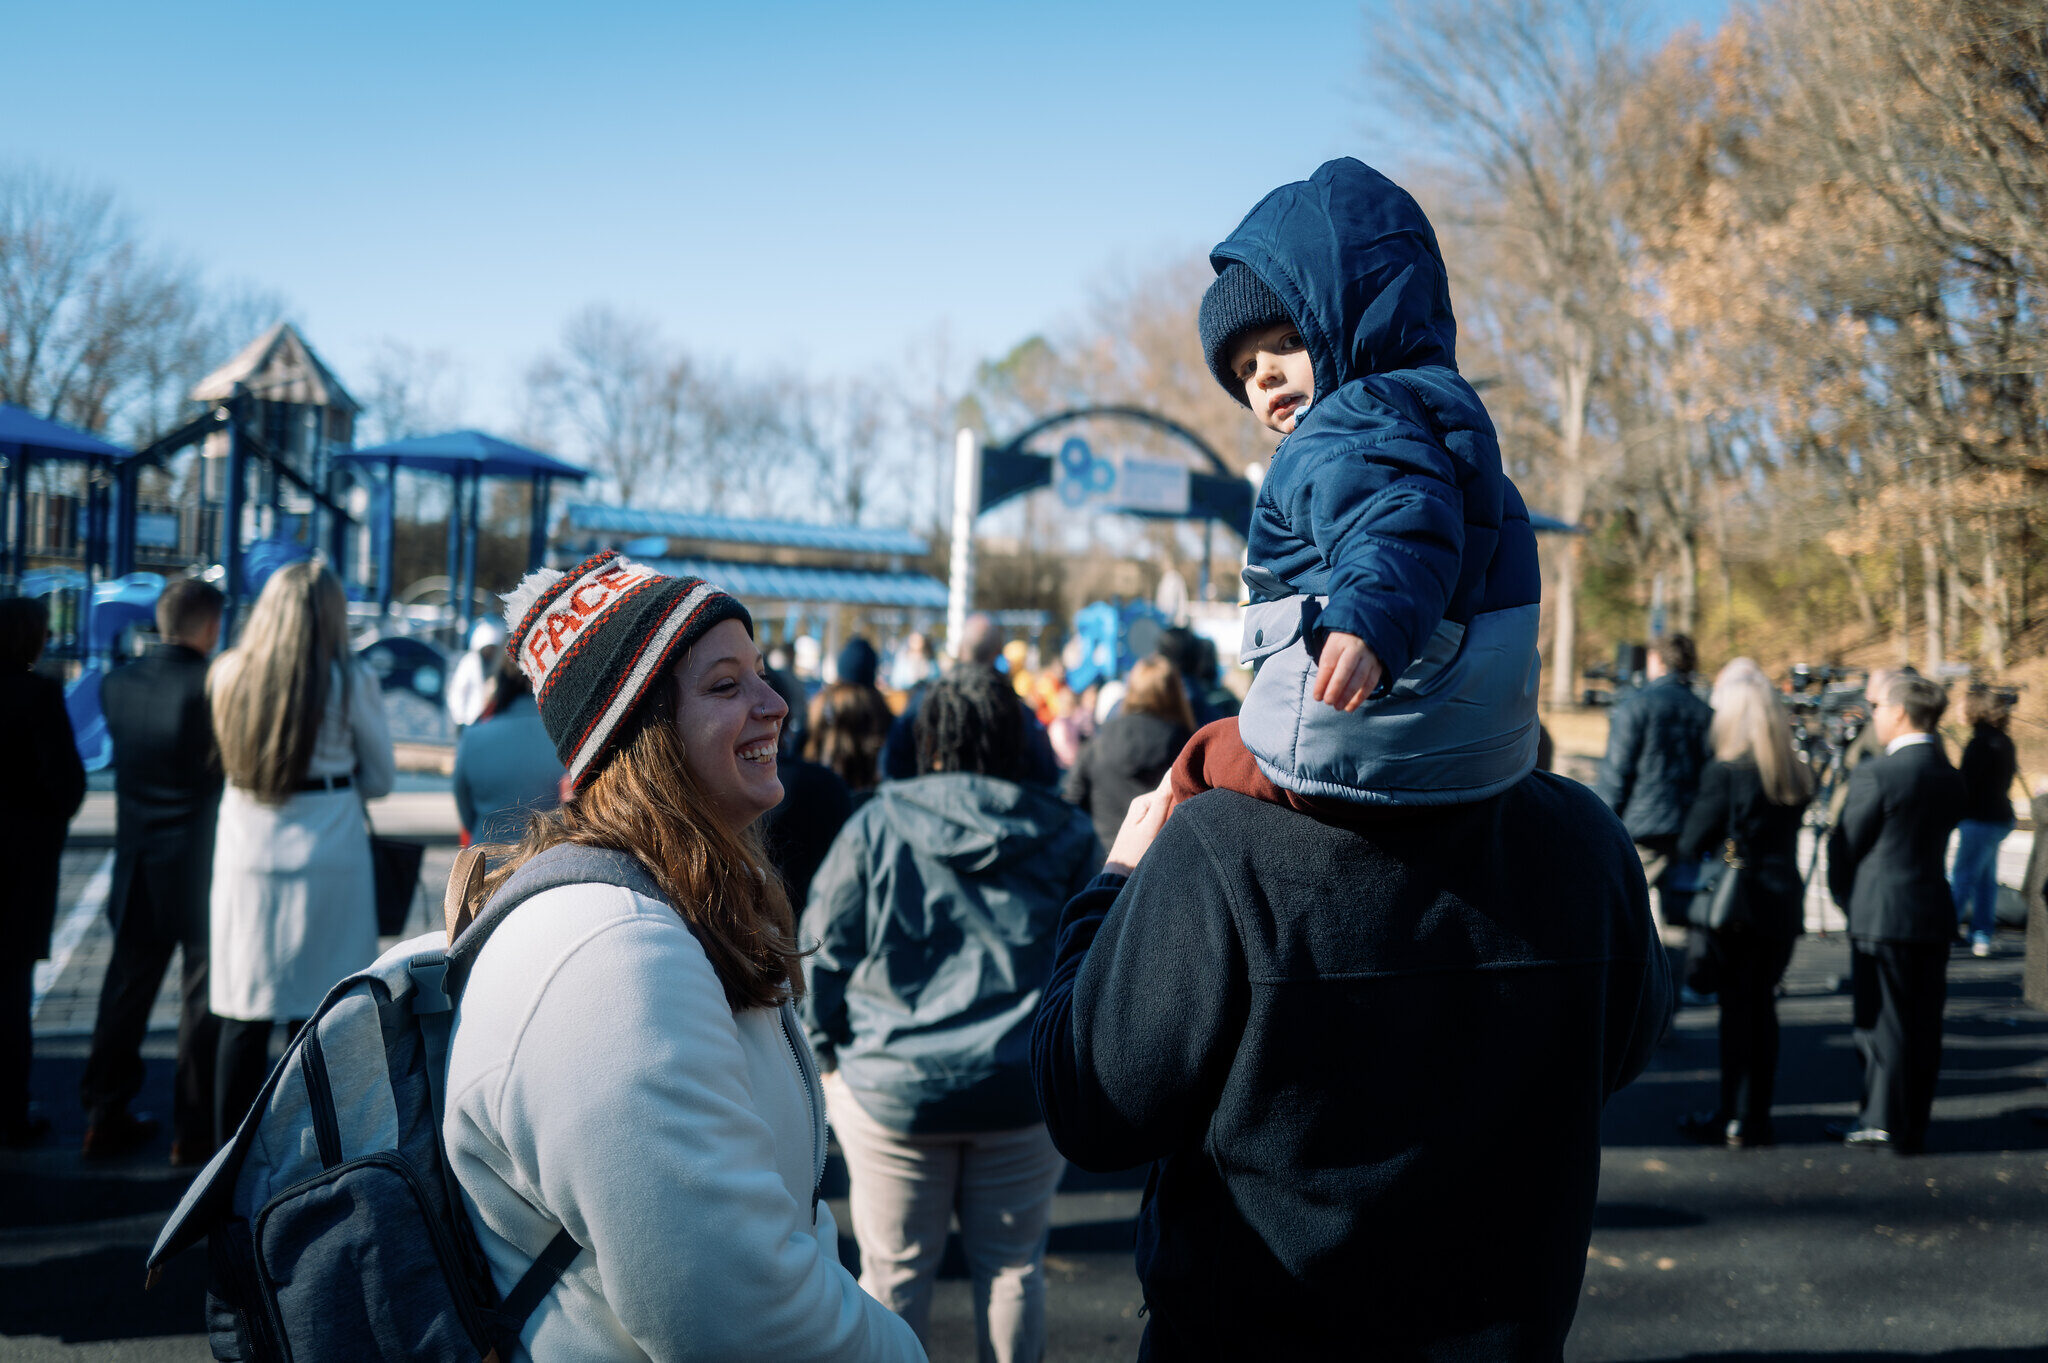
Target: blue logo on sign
(1083, 475)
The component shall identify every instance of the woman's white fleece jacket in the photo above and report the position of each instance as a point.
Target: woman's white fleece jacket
(598, 1081)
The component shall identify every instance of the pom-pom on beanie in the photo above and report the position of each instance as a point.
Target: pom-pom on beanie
(596, 639)
(1237, 302)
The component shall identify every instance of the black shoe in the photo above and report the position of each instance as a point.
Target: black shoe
(1708, 1128)
(117, 1135)
(1839, 1131)
(25, 1134)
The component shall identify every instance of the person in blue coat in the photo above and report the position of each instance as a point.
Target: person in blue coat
(1391, 562)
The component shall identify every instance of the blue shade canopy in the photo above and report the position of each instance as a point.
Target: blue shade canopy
(755, 582)
(22, 430)
(470, 452)
(593, 518)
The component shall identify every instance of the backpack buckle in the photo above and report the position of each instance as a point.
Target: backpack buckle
(430, 984)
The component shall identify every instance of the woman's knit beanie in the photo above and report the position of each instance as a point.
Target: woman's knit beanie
(858, 662)
(1236, 303)
(596, 639)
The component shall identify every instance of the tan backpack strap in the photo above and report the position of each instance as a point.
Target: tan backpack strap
(465, 889)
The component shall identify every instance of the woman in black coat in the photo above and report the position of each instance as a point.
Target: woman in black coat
(1752, 798)
(1129, 754)
(42, 783)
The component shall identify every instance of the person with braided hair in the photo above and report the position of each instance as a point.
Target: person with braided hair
(933, 917)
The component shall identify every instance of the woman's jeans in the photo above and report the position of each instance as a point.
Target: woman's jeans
(905, 1191)
(1751, 964)
(1974, 878)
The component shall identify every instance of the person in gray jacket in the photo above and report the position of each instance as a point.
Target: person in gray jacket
(505, 763)
(934, 916)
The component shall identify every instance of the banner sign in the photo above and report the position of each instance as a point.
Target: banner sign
(1152, 487)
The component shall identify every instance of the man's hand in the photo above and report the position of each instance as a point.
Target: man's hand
(1348, 673)
(1142, 822)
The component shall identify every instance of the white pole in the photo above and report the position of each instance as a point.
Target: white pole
(966, 505)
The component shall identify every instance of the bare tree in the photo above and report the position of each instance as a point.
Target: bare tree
(617, 391)
(96, 328)
(408, 391)
(1524, 94)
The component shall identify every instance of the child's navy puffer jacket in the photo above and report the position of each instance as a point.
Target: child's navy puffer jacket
(1426, 549)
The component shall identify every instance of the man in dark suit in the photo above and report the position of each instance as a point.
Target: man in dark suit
(167, 786)
(1885, 869)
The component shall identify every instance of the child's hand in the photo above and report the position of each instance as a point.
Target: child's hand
(1348, 672)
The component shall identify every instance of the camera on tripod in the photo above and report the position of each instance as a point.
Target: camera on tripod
(1828, 710)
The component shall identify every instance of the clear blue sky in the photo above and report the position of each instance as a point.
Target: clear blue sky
(815, 184)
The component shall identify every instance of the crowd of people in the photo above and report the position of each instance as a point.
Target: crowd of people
(1714, 796)
(1347, 967)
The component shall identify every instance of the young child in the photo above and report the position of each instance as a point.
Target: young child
(1391, 563)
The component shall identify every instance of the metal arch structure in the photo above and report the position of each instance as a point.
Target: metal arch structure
(1009, 470)
(984, 477)
(1143, 416)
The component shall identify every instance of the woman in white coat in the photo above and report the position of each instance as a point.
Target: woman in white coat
(626, 1063)
(303, 743)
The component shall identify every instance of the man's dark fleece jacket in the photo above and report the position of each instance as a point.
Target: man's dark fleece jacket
(1656, 750)
(1366, 1061)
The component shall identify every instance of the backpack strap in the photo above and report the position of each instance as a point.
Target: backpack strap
(565, 863)
(465, 888)
(533, 1285)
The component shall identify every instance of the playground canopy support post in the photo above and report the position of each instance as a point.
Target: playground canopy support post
(966, 506)
(231, 513)
(471, 547)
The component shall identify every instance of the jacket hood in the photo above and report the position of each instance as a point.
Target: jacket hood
(1354, 259)
(972, 823)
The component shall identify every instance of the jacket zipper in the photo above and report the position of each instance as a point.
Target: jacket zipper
(810, 1082)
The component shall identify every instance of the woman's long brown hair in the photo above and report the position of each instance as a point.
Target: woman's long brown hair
(269, 693)
(645, 803)
(849, 725)
(1155, 689)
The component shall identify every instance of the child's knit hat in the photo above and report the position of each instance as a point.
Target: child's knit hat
(1237, 302)
(595, 640)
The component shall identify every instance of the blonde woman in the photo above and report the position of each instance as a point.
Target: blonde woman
(303, 743)
(1753, 795)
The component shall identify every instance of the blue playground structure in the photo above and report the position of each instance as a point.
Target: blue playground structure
(276, 480)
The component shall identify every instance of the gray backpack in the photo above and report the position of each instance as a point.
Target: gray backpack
(333, 1223)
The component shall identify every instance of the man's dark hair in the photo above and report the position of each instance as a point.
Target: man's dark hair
(1676, 652)
(24, 628)
(1922, 700)
(1182, 647)
(187, 607)
(972, 721)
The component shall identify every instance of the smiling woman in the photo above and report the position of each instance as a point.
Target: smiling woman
(626, 1064)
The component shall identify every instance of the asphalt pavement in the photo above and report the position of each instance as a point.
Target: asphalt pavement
(1805, 1251)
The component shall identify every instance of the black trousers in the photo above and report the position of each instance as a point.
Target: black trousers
(1900, 989)
(113, 1069)
(17, 1039)
(242, 1064)
(1749, 966)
